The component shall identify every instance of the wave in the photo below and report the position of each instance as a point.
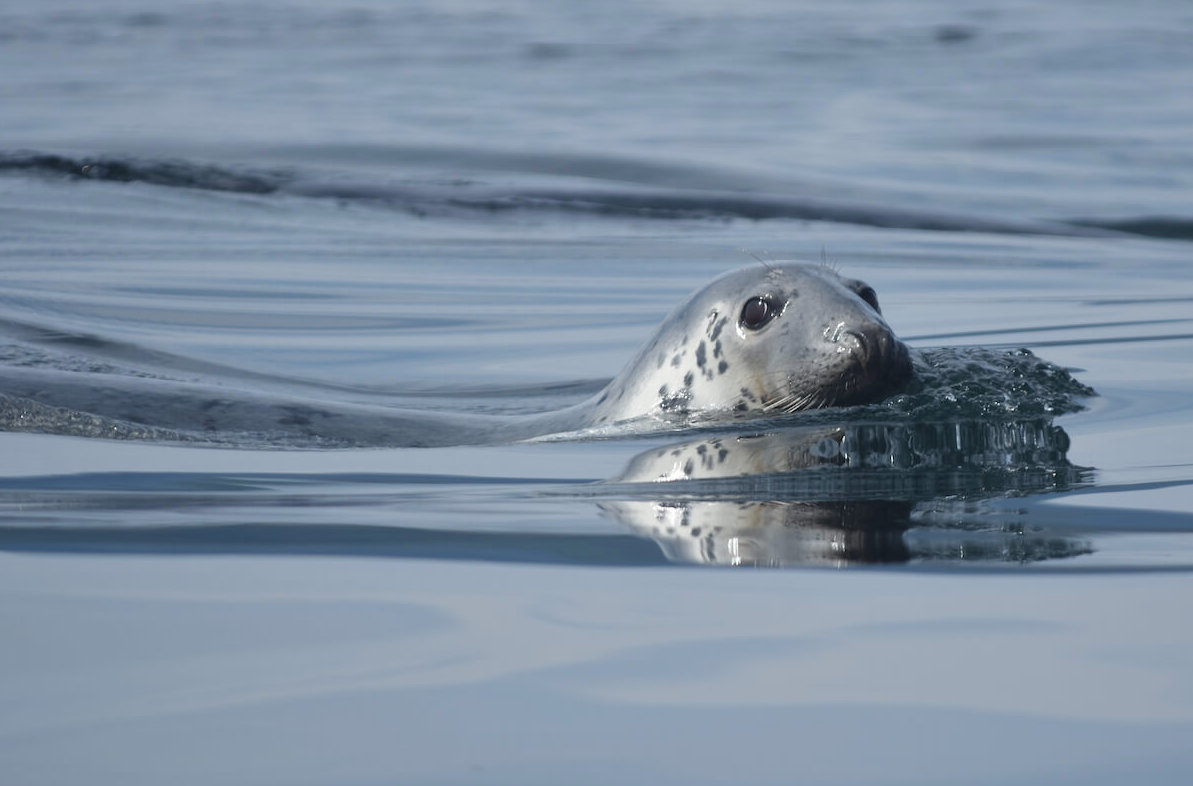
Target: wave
(114, 390)
(612, 196)
(1168, 227)
(172, 174)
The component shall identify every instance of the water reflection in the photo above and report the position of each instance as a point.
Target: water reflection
(770, 533)
(864, 493)
(857, 494)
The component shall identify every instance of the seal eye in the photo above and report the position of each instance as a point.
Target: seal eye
(757, 312)
(870, 296)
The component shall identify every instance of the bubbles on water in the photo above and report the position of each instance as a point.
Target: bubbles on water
(981, 382)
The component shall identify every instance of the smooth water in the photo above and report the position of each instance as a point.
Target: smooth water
(348, 212)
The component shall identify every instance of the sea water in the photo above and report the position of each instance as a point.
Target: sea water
(485, 208)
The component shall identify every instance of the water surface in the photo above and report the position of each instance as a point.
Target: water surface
(485, 209)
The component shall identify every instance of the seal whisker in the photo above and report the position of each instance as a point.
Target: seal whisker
(828, 264)
(759, 259)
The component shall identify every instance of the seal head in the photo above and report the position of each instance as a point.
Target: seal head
(775, 338)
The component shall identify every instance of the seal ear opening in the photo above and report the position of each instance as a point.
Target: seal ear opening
(868, 294)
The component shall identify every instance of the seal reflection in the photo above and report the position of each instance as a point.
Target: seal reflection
(859, 494)
(771, 533)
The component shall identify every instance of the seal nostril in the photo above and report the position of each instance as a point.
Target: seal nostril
(858, 343)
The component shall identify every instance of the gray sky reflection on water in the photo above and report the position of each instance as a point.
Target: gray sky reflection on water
(292, 670)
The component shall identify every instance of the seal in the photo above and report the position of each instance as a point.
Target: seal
(776, 338)
(772, 338)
